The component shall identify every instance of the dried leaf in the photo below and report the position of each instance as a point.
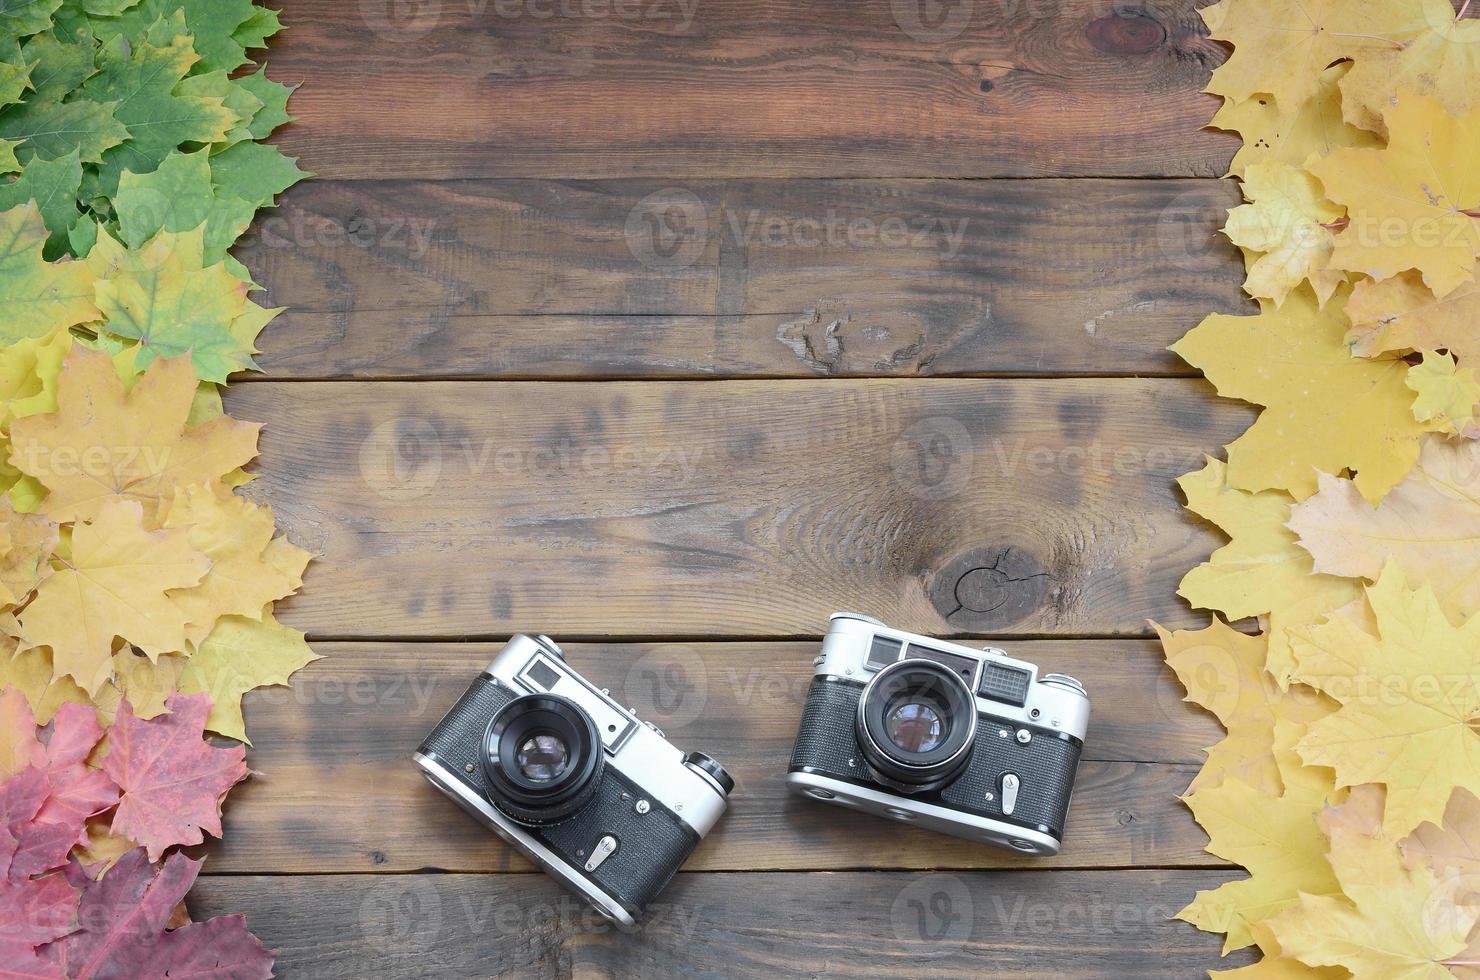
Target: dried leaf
(38, 297)
(172, 779)
(1428, 526)
(1272, 132)
(1284, 232)
(239, 655)
(1402, 314)
(1447, 395)
(1442, 61)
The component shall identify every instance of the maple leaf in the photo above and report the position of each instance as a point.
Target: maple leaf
(20, 19)
(255, 172)
(1408, 701)
(114, 585)
(48, 130)
(141, 79)
(1442, 61)
(1384, 926)
(166, 298)
(146, 683)
(103, 444)
(273, 97)
(53, 185)
(35, 912)
(239, 655)
(1402, 314)
(1447, 395)
(1281, 48)
(178, 196)
(172, 779)
(124, 916)
(30, 672)
(1262, 571)
(28, 375)
(1428, 526)
(244, 105)
(1223, 671)
(1275, 965)
(1452, 847)
(1285, 228)
(36, 296)
(1408, 204)
(18, 746)
(249, 568)
(1324, 409)
(78, 791)
(211, 23)
(29, 540)
(1275, 837)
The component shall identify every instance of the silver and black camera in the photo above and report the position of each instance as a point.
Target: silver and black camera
(963, 741)
(600, 800)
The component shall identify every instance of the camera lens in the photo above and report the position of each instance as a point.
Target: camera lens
(916, 725)
(542, 758)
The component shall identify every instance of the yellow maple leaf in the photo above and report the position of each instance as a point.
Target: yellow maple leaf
(1408, 701)
(1223, 670)
(249, 568)
(1284, 233)
(1281, 48)
(30, 672)
(103, 847)
(1323, 409)
(1275, 965)
(38, 297)
(1275, 836)
(1273, 133)
(1390, 923)
(28, 375)
(239, 655)
(1428, 526)
(1409, 205)
(1261, 571)
(1442, 61)
(1447, 395)
(29, 540)
(115, 584)
(104, 444)
(1402, 314)
(146, 683)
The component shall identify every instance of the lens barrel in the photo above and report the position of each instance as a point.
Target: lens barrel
(916, 725)
(542, 758)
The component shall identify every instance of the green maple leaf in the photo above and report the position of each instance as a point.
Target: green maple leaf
(141, 81)
(256, 29)
(36, 296)
(21, 17)
(179, 196)
(274, 99)
(14, 80)
(53, 185)
(48, 129)
(163, 296)
(57, 67)
(8, 163)
(255, 172)
(210, 23)
(107, 8)
(234, 95)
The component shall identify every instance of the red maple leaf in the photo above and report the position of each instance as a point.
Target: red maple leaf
(172, 778)
(123, 917)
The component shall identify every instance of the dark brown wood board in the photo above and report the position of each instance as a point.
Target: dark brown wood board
(774, 88)
(741, 508)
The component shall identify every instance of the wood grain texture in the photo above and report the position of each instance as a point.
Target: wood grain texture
(591, 88)
(738, 509)
(1018, 924)
(740, 278)
(337, 792)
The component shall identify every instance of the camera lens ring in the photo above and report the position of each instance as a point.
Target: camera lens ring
(527, 774)
(938, 717)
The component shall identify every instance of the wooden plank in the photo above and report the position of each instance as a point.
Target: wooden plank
(754, 87)
(801, 278)
(337, 791)
(1018, 924)
(749, 508)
